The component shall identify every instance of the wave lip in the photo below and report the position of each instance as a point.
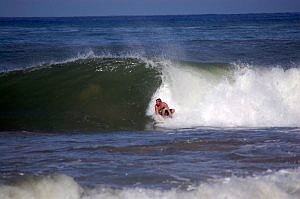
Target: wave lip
(282, 184)
(234, 96)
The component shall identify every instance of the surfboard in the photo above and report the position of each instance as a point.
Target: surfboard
(158, 118)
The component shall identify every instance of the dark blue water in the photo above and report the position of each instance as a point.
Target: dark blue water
(268, 39)
(250, 100)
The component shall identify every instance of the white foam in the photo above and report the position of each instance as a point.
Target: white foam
(49, 187)
(284, 184)
(245, 96)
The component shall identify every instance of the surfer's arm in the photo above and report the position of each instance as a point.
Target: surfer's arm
(156, 110)
(168, 109)
(170, 113)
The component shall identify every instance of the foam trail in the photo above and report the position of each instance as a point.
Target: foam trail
(283, 184)
(244, 96)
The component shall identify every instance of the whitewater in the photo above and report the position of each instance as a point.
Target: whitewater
(281, 185)
(238, 95)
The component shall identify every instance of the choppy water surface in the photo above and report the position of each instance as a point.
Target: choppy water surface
(152, 160)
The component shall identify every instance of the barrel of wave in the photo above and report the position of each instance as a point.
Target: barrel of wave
(222, 96)
(183, 87)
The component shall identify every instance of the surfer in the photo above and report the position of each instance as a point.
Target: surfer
(162, 108)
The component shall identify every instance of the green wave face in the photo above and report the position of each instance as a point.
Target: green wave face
(84, 95)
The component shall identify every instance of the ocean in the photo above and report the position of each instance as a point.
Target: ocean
(77, 107)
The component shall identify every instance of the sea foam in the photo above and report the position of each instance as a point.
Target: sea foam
(282, 184)
(240, 95)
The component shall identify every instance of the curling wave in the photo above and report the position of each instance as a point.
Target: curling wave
(86, 95)
(118, 93)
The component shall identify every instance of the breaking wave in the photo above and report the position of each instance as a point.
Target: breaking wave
(281, 184)
(93, 93)
(229, 96)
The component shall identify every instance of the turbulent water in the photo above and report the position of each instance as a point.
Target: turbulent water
(77, 98)
(190, 163)
(119, 93)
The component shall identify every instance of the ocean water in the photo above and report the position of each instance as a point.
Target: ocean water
(77, 97)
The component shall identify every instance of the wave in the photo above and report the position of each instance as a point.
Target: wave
(281, 184)
(93, 93)
(236, 95)
(85, 95)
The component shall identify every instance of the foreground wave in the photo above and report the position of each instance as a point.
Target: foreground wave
(282, 184)
(114, 93)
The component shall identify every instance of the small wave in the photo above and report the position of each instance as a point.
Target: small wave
(282, 184)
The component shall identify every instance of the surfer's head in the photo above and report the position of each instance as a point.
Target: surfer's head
(158, 101)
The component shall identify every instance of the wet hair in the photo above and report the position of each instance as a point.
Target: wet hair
(158, 99)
